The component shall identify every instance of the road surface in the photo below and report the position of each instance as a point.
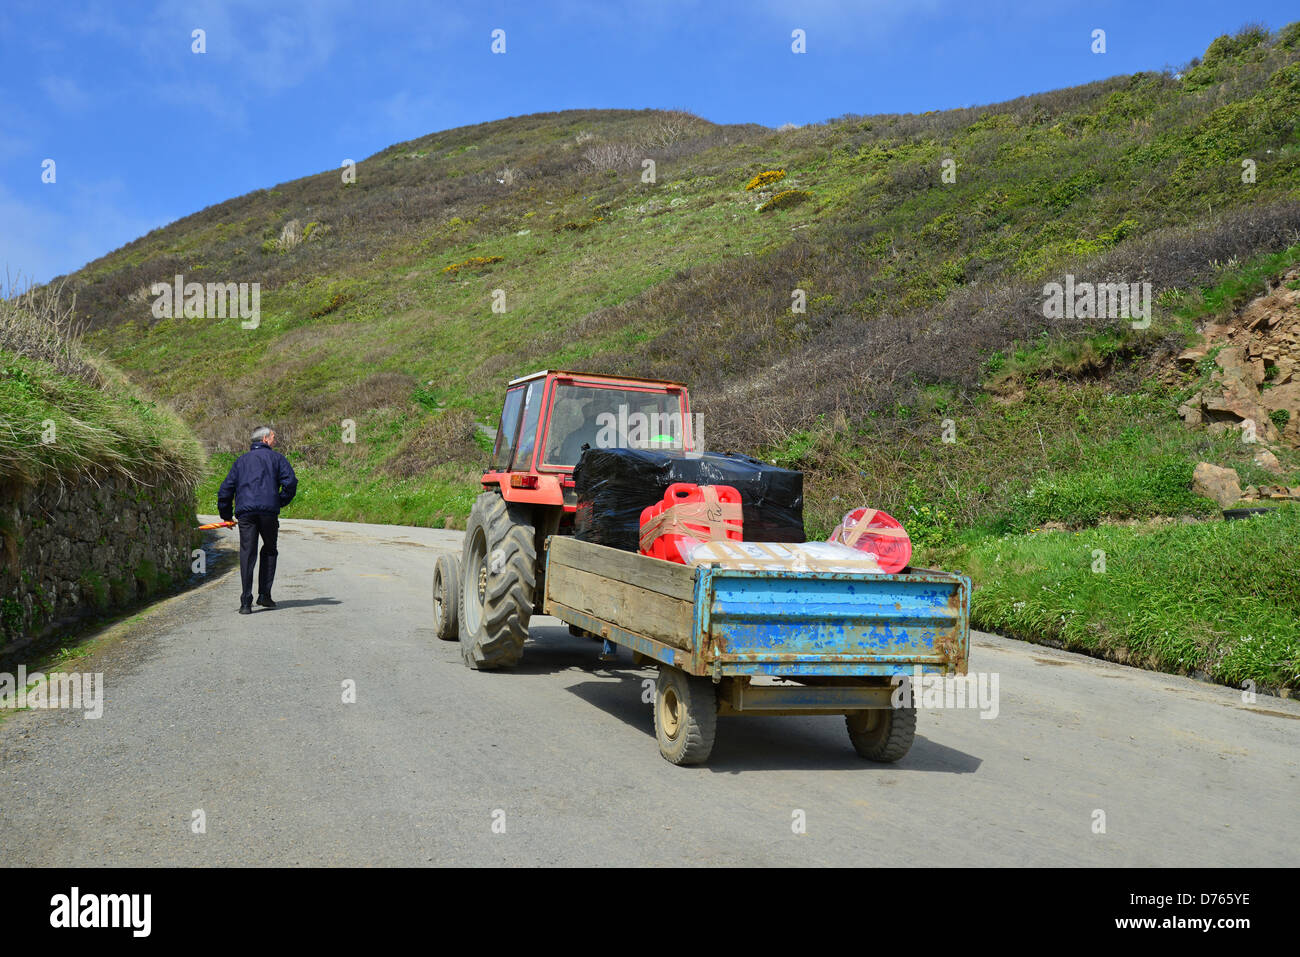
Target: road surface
(242, 718)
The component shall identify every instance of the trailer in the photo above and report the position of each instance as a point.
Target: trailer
(727, 641)
(733, 641)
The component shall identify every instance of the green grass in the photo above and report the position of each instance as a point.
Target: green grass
(1236, 288)
(65, 414)
(58, 425)
(1071, 452)
(1218, 599)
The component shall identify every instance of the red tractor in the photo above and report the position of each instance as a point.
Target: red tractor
(486, 599)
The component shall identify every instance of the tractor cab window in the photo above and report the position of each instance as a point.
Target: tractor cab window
(528, 433)
(504, 448)
(604, 418)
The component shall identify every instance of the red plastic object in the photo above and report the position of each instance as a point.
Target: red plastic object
(688, 515)
(876, 533)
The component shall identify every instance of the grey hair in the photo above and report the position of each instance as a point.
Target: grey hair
(261, 432)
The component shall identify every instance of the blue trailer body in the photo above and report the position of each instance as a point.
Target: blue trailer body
(830, 624)
(743, 641)
(745, 623)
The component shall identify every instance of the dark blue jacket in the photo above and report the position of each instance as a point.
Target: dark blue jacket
(261, 480)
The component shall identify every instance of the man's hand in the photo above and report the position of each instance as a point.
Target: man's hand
(226, 516)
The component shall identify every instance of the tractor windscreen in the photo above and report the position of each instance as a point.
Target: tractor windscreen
(604, 418)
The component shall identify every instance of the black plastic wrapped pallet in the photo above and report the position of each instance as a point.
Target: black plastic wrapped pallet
(613, 486)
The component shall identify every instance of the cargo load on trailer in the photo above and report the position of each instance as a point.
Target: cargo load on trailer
(614, 486)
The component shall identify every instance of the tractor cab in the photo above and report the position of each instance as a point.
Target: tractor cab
(548, 418)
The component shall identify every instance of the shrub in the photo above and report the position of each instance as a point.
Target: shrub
(449, 436)
(609, 156)
(334, 302)
(474, 262)
(1227, 47)
(785, 199)
(765, 179)
(36, 324)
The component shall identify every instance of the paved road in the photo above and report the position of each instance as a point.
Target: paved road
(243, 718)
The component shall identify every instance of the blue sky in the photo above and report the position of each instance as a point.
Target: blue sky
(143, 130)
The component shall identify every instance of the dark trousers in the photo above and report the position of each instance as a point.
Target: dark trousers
(252, 525)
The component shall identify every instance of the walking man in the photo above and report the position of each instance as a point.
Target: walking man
(260, 483)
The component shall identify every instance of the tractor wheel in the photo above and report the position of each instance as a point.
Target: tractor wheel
(883, 734)
(498, 583)
(446, 597)
(686, 716)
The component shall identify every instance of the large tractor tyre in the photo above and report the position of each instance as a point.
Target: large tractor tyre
(686, 716)
(883, 734)
(498, 583)
(446, 598)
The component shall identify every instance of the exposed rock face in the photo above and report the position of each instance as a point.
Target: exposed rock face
(1257, 369)
(1268, 462)
(1217, 483)
(74, 549)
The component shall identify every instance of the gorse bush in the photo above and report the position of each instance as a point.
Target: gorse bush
(765, 179)
(785, 199)
(474, 262)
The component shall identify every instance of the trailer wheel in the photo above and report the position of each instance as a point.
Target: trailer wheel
(446, 597)
(686, 716)
(498, 583)
(883, 734)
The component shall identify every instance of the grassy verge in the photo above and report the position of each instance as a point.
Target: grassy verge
(1219, 600)
(54, 424)
(62, 413)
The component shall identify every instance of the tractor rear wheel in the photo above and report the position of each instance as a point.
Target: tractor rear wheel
(498, 583)
(446, 597)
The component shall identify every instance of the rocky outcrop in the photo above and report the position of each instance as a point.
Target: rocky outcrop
(1255, 383)
(79, 547)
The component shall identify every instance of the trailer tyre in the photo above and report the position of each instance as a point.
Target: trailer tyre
(882, 734)
(499, 583)
(446, 598)
(686, 716)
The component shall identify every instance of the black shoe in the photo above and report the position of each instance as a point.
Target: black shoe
(265, 602)
(245, 609)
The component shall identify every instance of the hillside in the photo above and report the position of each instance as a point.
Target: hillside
(921, 243)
